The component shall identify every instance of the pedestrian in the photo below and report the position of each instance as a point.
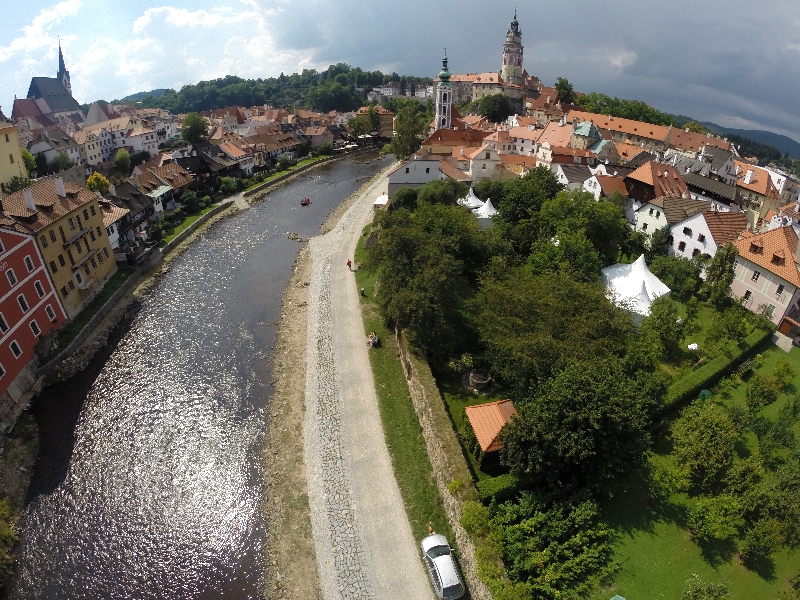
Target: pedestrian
(349, 265)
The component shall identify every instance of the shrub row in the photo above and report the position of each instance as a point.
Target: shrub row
(687, 388)
(500, 488)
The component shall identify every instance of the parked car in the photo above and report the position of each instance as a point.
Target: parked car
(442, 568)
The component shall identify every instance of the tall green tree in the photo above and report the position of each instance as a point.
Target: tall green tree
(665, 324)
(122, 162)
(97, 182)
(62, 162)
(680, 275)
(704, 438)
(584, 429)
(194, 128)
(29, 160)
(697, 590)
(409, 129)
(565, 91)
(495, 107)
(525, 195)
(359, 125)
(720, 275)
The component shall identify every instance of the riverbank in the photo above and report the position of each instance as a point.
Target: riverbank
(290, 547)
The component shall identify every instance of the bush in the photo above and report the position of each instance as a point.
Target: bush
(762, 390)
(156, 232)
(475, 519)
(8, 537)
(499, 489)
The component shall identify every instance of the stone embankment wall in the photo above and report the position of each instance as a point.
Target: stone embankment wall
(438, 440)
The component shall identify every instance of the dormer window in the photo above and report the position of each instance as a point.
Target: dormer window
(778, 259)
(756, 247)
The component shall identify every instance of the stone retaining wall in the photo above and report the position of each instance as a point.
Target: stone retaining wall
(191, 229)
(262, 186)
(443, 471)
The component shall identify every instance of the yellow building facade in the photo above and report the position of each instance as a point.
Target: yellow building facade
(68, 224)
(11, 163)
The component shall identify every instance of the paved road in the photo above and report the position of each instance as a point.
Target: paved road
(364, 544)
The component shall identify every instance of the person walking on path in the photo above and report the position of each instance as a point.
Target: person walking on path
(349, 265)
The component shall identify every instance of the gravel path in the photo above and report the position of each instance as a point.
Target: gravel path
(364, 544)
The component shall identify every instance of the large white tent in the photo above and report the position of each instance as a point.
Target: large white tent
(486, 211)
(471, 201)
(633, 286)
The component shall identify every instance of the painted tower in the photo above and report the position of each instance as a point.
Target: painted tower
(444, 97)
(512, 54)
(63, 74)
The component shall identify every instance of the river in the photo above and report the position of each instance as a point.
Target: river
(148, 480)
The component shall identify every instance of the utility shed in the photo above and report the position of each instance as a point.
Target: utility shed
(487, 420)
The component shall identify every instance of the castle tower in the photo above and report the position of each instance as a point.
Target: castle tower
(444, 97)
(63, 74)
(512, 54)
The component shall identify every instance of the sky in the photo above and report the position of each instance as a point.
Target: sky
(732, 62)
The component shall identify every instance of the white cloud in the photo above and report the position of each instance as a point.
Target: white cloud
(36, 35)
(180, 17)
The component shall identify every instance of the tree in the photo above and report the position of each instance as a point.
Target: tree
(680, 275)
(526, 195)
(122, 162)
(98, 183)
(704, 438)
(404, 198)
(138, 158)
(374, 119)
(62, 162)
(565, 91)
(41, 164)
(720, 274)
(359, 126)
(784, 372)
(326, 148)
(660, 242)
(762, 390)
(442, 192)
(694, 126)
(491, 189)
(194, 128)
(569, 252)
(29, 160)
(584, 429)
(665, 324)
(728, 325)
(713, 517)
(496, 107)
(409, 128)
(697, 590)
(17, 183)
(760, 540)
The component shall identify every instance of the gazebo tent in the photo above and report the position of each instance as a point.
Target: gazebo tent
(471, 200)
(486, 211)
(633, 286)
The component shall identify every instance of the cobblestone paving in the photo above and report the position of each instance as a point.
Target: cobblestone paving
(342, 560)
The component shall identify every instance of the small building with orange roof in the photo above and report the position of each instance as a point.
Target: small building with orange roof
(487, 421)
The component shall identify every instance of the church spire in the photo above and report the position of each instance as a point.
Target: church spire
(444, 97)
(63, 74)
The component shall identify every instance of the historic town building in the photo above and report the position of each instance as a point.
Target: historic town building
(444, 98)
(511, 73)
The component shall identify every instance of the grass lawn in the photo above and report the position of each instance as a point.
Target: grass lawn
(186, 223)
(654, 546)
(68, 333)
(402, 430)
(301, 163)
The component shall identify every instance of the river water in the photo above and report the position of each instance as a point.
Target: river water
(148, 482)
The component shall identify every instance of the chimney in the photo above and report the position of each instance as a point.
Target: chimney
(112, 190)
(748, 177)
(62, 193)
(610, 118)
(574, 123)
(28, 195)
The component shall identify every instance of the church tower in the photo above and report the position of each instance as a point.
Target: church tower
(444, 97)
(63, 74)
(512, 54)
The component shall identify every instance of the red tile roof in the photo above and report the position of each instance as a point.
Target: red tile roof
(611, 183)
(725, 226)
(665, 179)
(487, 420)
(774, 250)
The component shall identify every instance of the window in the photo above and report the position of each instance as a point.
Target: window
(651, 212)
(747, 295)
(644, 227)
(487, 156)
(3, 324)
(12, 279)
(69, 253)
(86, 268)
(756, 275)
(91, 235)
(2, 248)
(105, 251)
(64, 291)
(94, 264)
(39, 288)
(16, 349)
(43, 240)
(11, 158)
(78, 278)
(2, 371)
(61, 231)
(695, 252)
(99, 231)
(770, 310)
(687, 232)
(682, 246)
(53, 267)
(701, 238)
(61, 260)
(28, 263)
(658, 214)
(779, 291)
(51, 314)
(406, 169)
(23, 304)
(71, 223)
(35, 328)
(427, 169)
(86, 214)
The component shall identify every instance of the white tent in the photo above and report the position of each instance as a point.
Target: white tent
(486, 211)
(471, 201)
(381, 202)
(633, 285)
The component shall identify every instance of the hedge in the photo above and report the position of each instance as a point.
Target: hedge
(687, 388)
(501, 488)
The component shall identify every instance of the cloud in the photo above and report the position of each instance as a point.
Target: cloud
(180, 17)
(36, 35)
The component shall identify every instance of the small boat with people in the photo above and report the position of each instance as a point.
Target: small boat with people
(305, 202)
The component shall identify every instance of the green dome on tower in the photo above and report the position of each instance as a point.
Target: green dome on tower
(444, 74)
